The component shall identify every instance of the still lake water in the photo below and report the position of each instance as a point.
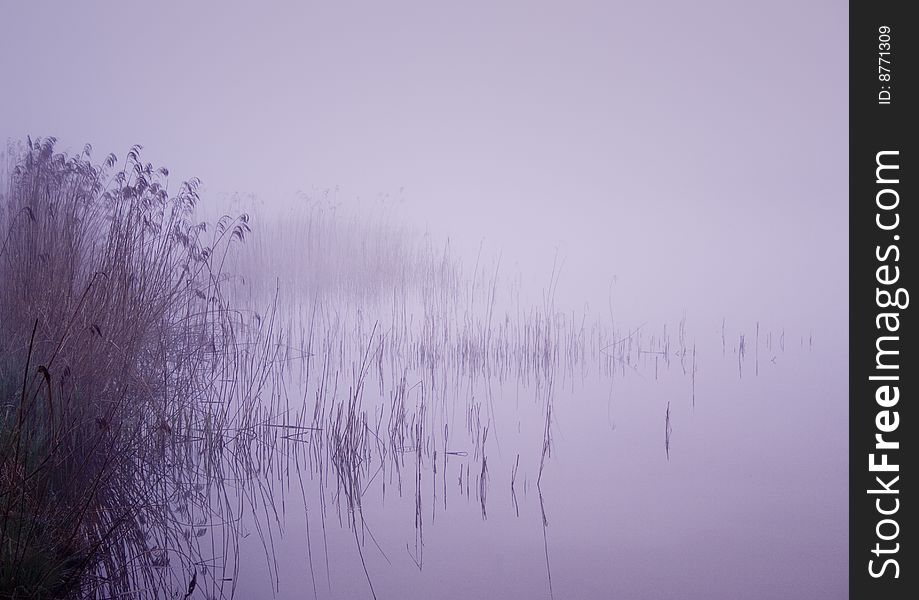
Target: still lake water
(663, 474)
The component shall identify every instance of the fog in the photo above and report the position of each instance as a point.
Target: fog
(673, 176)
(648, 142)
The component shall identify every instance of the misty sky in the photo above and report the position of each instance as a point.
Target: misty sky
(696, 151)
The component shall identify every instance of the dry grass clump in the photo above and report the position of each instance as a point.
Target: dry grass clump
(112, 334)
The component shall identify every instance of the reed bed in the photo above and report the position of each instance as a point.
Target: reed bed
(115, 344)
(160, 380)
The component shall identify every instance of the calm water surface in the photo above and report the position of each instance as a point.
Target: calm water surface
(634, 472)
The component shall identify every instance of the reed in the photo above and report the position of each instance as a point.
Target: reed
(158, 380)
(113, 331)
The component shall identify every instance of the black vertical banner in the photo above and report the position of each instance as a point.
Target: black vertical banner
(884, 372)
